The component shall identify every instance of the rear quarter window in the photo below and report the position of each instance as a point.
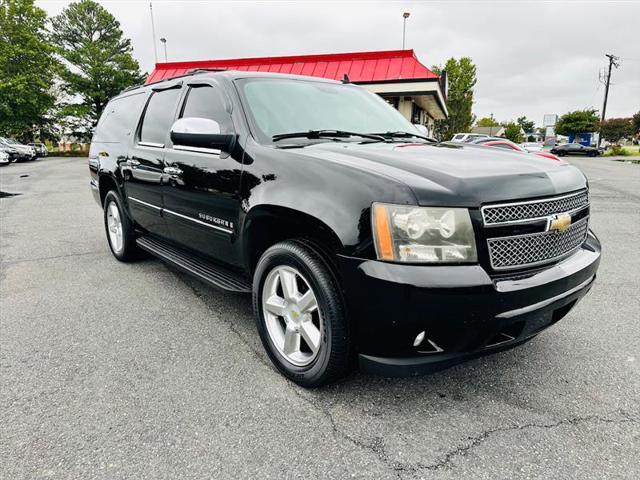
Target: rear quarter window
(120, 118)
(159, 116)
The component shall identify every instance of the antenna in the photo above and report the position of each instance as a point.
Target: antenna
(153, 33)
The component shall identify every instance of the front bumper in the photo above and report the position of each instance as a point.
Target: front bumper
(463, 311)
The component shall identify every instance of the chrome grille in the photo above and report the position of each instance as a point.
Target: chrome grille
(536, 248)
(535, 209)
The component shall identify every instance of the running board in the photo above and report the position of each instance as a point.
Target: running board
(208, 272)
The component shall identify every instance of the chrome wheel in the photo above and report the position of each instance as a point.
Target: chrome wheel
(114, 227)
(292, 316)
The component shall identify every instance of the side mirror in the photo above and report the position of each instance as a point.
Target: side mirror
(198, 132)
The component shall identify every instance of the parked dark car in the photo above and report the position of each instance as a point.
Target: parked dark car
(357, 237)
(40, 148)
(575, 149)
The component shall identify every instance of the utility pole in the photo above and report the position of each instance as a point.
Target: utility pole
(153, 33)
(613, 61)
(405, 15)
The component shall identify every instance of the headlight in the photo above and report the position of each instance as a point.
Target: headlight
(412, 234)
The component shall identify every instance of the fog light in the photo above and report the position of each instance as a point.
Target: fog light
(419, 339)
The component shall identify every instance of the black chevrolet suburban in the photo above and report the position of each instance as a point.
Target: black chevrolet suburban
(359, 239)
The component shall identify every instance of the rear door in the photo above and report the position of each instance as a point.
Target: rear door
(143, 170)
(201, 200)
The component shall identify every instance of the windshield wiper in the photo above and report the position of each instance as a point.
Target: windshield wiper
(316, 134)
(405, 135)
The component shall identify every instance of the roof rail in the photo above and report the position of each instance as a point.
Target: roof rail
(187, 74)
(132, 87)
(200, 70)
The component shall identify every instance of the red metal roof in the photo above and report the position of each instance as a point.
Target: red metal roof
(359, 66)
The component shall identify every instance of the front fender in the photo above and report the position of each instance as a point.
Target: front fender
(336, 195)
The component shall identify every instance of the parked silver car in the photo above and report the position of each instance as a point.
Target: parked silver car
(25, 152)
(4, 158)
(41, 149)
(532, 147)
(11, 152)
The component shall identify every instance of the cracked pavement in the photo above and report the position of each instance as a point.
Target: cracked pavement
(111, 370)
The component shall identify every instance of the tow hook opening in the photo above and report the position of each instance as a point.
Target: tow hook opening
(506, 334)
(426, 345)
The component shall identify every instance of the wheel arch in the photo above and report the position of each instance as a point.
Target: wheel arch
(107, 182)
(266, 225)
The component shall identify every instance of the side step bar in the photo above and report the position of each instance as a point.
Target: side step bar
(208, 272)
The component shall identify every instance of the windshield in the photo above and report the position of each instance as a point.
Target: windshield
(279, 106)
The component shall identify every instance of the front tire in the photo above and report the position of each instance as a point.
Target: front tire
(119, 228)
(300, 313)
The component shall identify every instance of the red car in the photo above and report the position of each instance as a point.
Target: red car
(509, 145)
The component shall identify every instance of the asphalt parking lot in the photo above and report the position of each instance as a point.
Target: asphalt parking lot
(112, 370)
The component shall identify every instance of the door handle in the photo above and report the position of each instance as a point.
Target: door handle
(173, 171)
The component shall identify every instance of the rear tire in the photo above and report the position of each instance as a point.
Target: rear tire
(119, 229)
(300, 313)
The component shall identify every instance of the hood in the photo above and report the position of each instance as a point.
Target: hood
(456, 175)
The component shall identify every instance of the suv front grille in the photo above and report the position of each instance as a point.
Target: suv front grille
(536, 248)
(532, 210)
(519, 234)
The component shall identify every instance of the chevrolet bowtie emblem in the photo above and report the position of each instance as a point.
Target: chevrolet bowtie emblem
(559, 223)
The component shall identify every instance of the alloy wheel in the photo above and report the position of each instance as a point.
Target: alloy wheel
(114, 226)
(292, 315)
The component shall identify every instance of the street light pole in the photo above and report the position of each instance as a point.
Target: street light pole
(164, 43)
(405, 15)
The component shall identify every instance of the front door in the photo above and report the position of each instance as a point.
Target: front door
(201, 200)
(143, 171)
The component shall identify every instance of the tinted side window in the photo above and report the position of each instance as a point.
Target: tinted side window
(119, 118)
(159, 116)
(207, 102)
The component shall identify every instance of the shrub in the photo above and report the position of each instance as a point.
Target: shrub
(616, 151)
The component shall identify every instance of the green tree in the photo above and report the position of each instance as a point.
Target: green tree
(513, 131)
(99, 61)
(487, 122)
(635, 121)
(580, 121)
(461, 77)
(615, 129)
(526, 124)
(27, 70)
